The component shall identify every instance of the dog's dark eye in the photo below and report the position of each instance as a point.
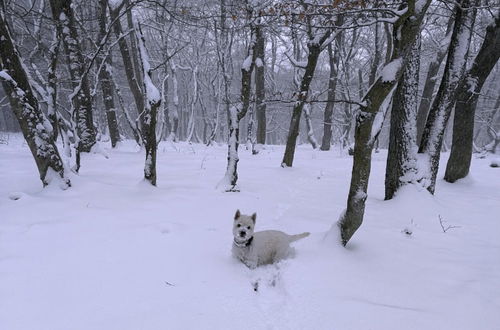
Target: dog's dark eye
(248, 227)
(238, 225)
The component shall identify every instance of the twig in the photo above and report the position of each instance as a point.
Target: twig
(441, 222)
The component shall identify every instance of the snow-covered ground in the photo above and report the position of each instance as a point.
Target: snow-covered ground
(114, 253)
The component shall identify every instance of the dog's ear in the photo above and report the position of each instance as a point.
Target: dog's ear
(254, 217)
(237, 215)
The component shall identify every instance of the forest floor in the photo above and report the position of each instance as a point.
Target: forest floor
(114, 253)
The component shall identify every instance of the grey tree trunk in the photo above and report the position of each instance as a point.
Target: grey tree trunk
(36, 129)
(432, 138)
(302, 94)
(431, 80)
(405, 32)
(402, 154)
(62, 12)
(133, 80)
(333, 60)
(260, 88)
(467, 96)
(236, 113)
(105, 79)
(149, 115)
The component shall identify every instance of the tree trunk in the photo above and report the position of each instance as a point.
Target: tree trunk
(62, 12)
(432, 138)
(467, 96)
(228, 182)
(133, 80)
(302, 94)
(36, 129)
(260, 88)
(153, 101)
(105, 79)
(431, 80)
(405, 31)
(334, 60)
(402, 154)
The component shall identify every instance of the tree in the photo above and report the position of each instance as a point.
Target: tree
(432, 138)
(465, 107)
(333, 60)
(318, 39)
(238, 112)
(405, 31)
(402, 154)
(62, 12)
(260, 88)
(105, 78)
(36, 128)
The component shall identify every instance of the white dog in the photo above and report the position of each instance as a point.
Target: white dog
(259, 248)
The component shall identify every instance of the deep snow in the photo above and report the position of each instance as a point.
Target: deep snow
(114, 253)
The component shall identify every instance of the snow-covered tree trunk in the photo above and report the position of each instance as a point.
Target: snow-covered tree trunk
(465, 107)
(333, 60)
(236, 113)
(432, 138)
(175, 101)
(402, 154)
(405, 31)
(431, 80)
(62, 12)
(260, 88)
(105, 78)
(314, 46)
(36, 128)
(149, 115)
(310, 131)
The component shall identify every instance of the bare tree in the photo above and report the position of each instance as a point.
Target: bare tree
(36, 128)
(467, 96)
(432, 138)
(405, 31)
(62, 12)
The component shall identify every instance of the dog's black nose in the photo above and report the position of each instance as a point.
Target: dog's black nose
(242, 234)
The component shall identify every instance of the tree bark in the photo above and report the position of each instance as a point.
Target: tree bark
(260, 88)
(236, 113)
(432, 138)
(467, 96)
(149, 116)
(62, 12)
(405, 31)
(133, 80)
(333, 60)
(402, 154)
(431, 80)
(302, 94)
(36, 129)
(105, 79)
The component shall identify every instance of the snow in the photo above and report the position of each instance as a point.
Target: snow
(114, 253)
(390, 70)
(247, 63)
(114, 4)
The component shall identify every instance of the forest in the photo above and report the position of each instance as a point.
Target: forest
(251, 101)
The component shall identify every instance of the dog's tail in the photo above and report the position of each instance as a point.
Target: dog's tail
(294, 238)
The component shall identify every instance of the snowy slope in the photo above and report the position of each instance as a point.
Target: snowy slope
(115, 253)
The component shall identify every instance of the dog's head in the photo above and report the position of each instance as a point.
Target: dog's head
(243, 226)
